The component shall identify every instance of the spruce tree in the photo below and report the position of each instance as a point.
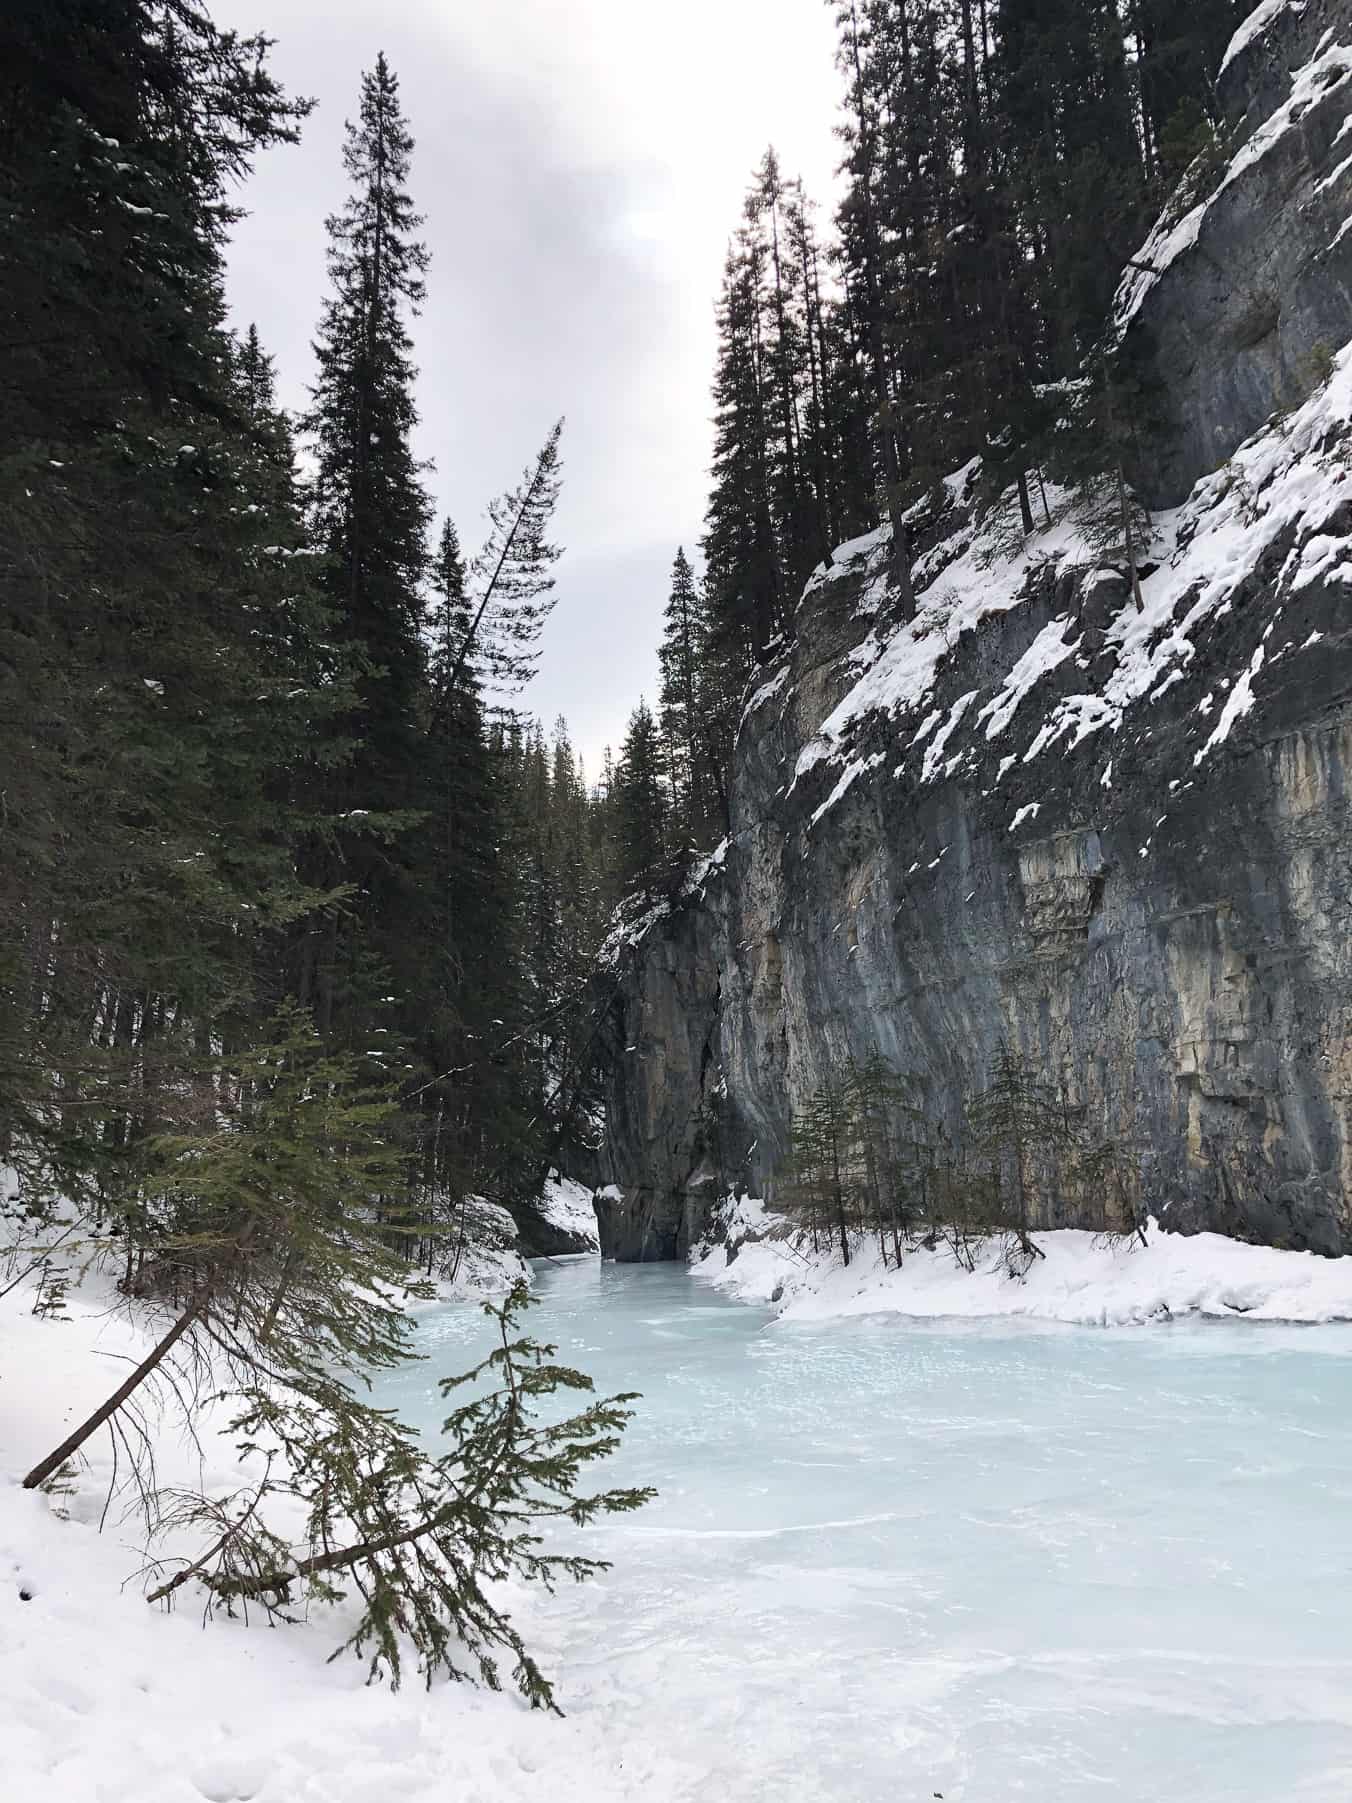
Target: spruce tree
(1178, 52)
(825, 1179)
(745, 574)
(1065, 97)
(1019, 1122)
(261, 1238)
(512, 576)
(458, 948)
(684, 731)
(642, 806)
(371, 516)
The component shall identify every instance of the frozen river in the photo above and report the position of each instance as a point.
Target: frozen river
(988, 1561)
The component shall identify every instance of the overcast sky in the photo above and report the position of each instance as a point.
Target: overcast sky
(581, 164)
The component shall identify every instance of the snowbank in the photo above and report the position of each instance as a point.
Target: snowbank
(1083, 1279)
(489, 1263)
(104, 1699)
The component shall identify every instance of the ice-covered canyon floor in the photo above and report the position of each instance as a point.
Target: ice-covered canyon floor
(891, 1557)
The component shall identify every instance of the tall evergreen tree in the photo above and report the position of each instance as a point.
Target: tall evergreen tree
(745, 573)
(460, 957)
(1178, 52)
(693, 723)
(1064, 93)
(642, 807)
(371, 517)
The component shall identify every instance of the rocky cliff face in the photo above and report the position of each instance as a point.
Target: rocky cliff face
(1119, 839)
(1245, 286)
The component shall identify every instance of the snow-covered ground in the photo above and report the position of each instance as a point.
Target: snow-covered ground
(1082, 1279)
(104, 1699)
(491, 1262)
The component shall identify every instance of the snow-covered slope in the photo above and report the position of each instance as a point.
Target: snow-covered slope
(1245, 284)
(1282, 502)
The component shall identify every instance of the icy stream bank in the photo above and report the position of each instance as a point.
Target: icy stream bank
(995, 1560)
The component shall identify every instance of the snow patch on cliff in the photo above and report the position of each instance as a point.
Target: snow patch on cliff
(1256, 24)
(1289, 484)
(967, 577)
(1330, 67)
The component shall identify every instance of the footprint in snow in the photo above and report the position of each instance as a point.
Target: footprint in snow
(230, 1780)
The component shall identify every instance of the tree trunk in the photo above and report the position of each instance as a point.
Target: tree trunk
(155, 1357)
(1025, 505)
(1129, 540)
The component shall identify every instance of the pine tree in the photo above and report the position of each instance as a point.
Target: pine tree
(257, 1228)
(692, 762)
(458, 937)
(1019, 1122)
(642, 806)
(745, 576)
(1178, 51)
(825, 1180)
(893, 1149)
(1065, 99)
(878, 236)
(371, 516)
(513, 579)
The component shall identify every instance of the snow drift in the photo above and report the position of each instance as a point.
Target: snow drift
(1083, 1279)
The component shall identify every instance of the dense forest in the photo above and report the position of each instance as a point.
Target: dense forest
(260, 724)
(295, 904)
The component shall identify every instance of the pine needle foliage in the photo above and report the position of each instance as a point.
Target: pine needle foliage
(288, 1207)
(417, 1540)
(1020, 1123)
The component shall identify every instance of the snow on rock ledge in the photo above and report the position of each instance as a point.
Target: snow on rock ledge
(1245, 285)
